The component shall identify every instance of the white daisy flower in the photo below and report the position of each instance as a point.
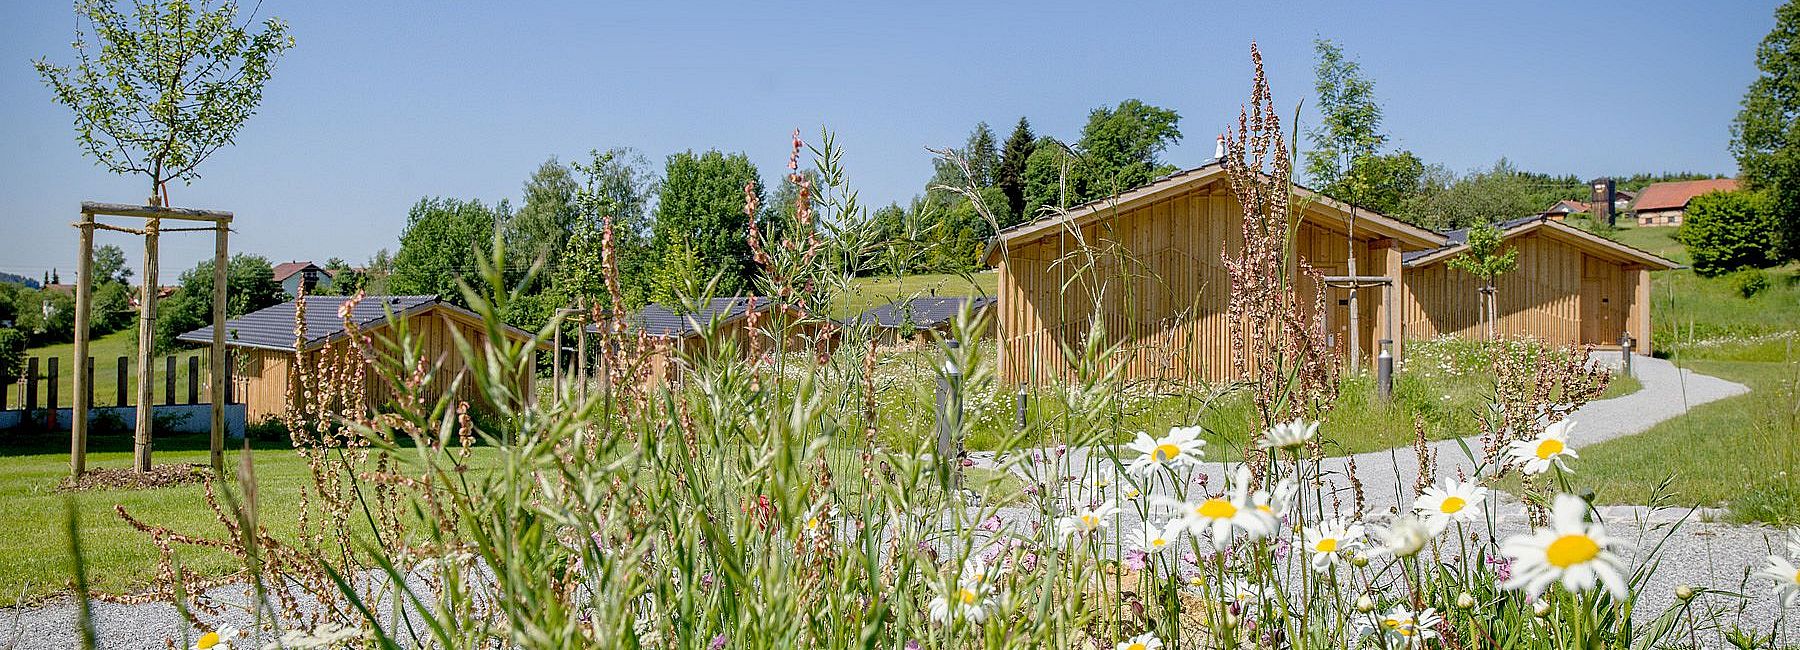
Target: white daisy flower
(219, 639)
(1276, 504)
(815, 522)
(1332, 543)
(1087, 519)
(1145, 641)
(1156, 539)
(1571, 550)
(1288, 435)
(1220, 516)
(1450, 501)
(1404, 537)
(1237, 590)
(1784, 574)
(1536, 455)
(969, 603)
(1182, 446)
(1401, 626)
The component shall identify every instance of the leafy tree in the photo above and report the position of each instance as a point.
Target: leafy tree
(346, 280)
(616, 183)
(681, 272)
(982, 155)
(1487, 258)
(438, 246)
(112, 309)
(109, 265)
(1121, 149)
(1728, 231)
(1494, 194)
(702, 206)
(1765, 137)
(170, 83)
(9, 306)
(1046, 176)
(1010, 177)
(249, 285)
(376, 272)
(541, 226)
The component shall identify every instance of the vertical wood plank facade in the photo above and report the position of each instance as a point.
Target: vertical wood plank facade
(1153, 276)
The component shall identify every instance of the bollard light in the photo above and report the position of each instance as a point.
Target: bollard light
(1625, 344)
(1384, 370)
(949, 415)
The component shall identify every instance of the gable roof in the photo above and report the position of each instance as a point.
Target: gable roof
(1459, 240)
(924, 312)
(1676, 194)
(1177, 182)
(286, 270)
(1567, 206)
(659, 321)
(272, 328)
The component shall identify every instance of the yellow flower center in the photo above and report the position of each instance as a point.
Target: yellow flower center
(1265, 508)
(812, 523)
(1405, 630)
(1797, 577)
(1390, 623)
(967, 596)
(1570, 550)
(1549, 447)
(1452, 505)
(1166, 452)
(1137, 646)
(1327, 545)
(1216, 509)
(1159, 542)
(207, 640)
(1090, 521)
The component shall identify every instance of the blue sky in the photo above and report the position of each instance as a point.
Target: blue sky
(382, 103)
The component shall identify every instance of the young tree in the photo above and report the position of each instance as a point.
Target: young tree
(1487, 258)
(109, 265)
(439, 243)
(1727, 231)
(170, 83)
(1350, 121)
(616, 184)
(702, 206)
(1011, 175)
(1765, 137)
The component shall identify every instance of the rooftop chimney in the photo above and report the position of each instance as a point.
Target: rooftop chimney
(1219, 148)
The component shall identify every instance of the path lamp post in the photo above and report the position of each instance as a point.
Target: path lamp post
(1384, 370)
(1625, 344)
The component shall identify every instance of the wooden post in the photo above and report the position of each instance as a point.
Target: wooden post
(581, 351)
(556, 361)
(221, 231)
(31, 379)
(146, 388)
(51, 379)
(193, 383)
(169, 379)
(84, 372)
(123, 398)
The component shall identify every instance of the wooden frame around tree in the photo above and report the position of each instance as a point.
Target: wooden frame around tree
(220, 225)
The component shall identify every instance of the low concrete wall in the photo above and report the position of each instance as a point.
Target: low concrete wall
(183, 418)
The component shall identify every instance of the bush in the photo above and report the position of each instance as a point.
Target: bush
(1749, 282)
(1727, 231)
(12, 355)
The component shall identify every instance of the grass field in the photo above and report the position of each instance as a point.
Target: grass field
(106, 351)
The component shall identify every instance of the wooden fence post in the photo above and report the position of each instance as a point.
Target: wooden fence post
(84, 369)
(31, 378)
(90, 389)
(169, 379)
(123, 399)
(146, 372)
(194, 379)
(50, 387)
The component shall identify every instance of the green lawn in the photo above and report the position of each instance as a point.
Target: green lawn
(106, 351)
(874, 291)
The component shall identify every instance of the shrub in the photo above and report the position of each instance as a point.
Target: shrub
(12, 354)
(1727, 231)
(1749, 281)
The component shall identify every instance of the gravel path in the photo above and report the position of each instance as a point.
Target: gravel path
(1699, 553)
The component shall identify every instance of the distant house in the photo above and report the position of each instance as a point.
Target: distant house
(916, 317)
(675, 331)
(1572, 287)
(1664, 204)
(1561, 210)
(264, 342)
(293, 275)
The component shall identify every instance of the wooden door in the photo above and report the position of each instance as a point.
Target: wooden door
(1603, 301)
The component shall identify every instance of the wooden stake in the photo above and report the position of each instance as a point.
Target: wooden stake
(146, 387)
(84, 372)
(217, 362)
